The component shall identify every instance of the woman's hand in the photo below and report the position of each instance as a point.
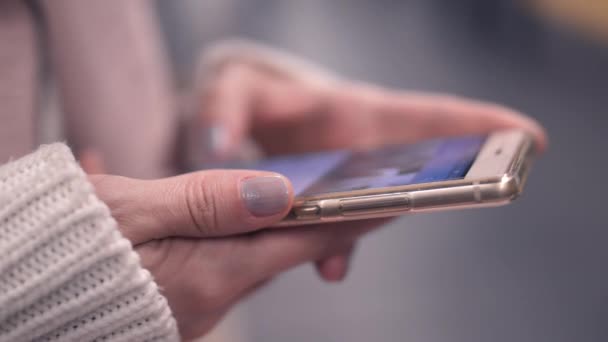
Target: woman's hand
(199, 234)
(289, 106)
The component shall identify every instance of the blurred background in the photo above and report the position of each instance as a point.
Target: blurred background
(532, 271)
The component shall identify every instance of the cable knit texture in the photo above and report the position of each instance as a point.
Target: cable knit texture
(66, 273)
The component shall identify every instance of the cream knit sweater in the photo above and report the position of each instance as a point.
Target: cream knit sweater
(66, 273)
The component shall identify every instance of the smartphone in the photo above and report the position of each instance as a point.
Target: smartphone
(439, 174)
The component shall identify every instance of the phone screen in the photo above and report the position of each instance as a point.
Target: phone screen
(393, 165)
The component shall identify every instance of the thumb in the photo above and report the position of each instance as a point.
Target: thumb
(203, 204)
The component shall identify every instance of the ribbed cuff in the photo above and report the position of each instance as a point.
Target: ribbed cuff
(66, 273)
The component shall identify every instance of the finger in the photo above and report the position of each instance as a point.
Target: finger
(429, 116)
(91, 161)
(281, 104)
(227, 102)
(221, 203)
(243, 99)
(203, 204)
(335, 268)
(278, 250)
(446, 116)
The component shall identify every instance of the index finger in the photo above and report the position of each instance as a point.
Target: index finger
(278, 250)
(434, 115)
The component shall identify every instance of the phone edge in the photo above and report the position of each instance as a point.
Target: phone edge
(447, 195)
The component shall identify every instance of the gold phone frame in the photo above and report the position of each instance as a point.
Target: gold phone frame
(496, 177)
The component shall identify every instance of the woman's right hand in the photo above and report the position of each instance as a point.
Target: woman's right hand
(199, 235)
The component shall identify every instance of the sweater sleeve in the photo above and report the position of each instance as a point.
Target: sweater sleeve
(66, 273)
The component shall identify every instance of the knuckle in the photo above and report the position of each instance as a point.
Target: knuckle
(234, 70)
(202, 206)
(222, 83)
(236, 67)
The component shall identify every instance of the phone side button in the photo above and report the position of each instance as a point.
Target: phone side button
(307, 213)
(374, 205)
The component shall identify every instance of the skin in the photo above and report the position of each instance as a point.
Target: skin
(285, 112)
(205, 250)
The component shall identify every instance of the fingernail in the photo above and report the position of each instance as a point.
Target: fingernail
(213, 144)
(218, 138)
(265, 196)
